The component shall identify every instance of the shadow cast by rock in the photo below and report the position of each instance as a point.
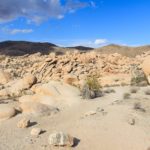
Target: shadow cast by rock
(32, 124)
(76, 142)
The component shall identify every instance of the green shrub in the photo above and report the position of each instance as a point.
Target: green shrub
(91, 88)
(93, 83)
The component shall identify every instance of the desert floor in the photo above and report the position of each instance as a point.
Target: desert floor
(106, 123)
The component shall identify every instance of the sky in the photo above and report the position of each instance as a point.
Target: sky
(91, 23)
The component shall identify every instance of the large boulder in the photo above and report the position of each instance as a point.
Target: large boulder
(18, 86)
(38, 109)
(146, 67)
(5, 77)
(24, 83)
(6, 112)
(53, 94)
(39, 98)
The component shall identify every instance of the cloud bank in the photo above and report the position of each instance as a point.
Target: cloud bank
(37, 10)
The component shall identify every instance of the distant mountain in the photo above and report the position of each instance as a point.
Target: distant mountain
(18, 48)
(123, 50)
(23, 47)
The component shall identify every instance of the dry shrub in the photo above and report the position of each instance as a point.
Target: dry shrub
(91, 88)
(126, 95)
(134, 89)
(137, 106)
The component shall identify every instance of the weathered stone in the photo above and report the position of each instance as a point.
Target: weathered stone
(23, 123)
(5, 77)
(70, 79)
(36, 131)
(60, 139)
(6, 112)
(38, 109)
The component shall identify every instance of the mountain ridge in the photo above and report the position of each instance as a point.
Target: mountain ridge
(17, 48)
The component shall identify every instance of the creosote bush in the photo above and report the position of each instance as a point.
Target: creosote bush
(137, 106)
(134, 89)
(91, 88)
(93, 83)
(147, 91)
(126, 95)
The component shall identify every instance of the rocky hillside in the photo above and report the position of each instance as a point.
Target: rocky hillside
(123, 50)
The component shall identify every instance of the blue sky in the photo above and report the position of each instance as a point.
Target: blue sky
(76, 22)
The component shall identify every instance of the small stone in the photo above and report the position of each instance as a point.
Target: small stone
(23, 123)
(131, 121)
(90, 113)
(60, 139)
(36, 131)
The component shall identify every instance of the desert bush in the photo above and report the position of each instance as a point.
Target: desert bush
(109, 91)
(93, 83)
(91, 88)
(138, 76)
(126, 95)
(137, 106)
(147, 91)
(134, 89)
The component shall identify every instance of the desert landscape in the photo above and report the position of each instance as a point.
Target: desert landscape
(77, 98)
(74, 75)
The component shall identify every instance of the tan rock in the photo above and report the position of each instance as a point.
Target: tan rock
(90, 113)
(29, 79)
(18, 86)
(60, 139)
(6, 112)
(146, 65)
(5, 77)
(38, 109)
(36, 131)
(23, 123)
(70, 79)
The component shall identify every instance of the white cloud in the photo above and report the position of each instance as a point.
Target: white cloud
(16, 31)
(100, 41)
(37, 10)
(82, 42)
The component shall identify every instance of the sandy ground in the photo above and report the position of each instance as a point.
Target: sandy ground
(108, 129)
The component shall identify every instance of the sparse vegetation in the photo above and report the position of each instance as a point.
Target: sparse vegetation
(109, 91)
(134, 89)
(91, 88)
(126, 95)
(93, 83)
(137, 106)
(147, 91)
(138, 76)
